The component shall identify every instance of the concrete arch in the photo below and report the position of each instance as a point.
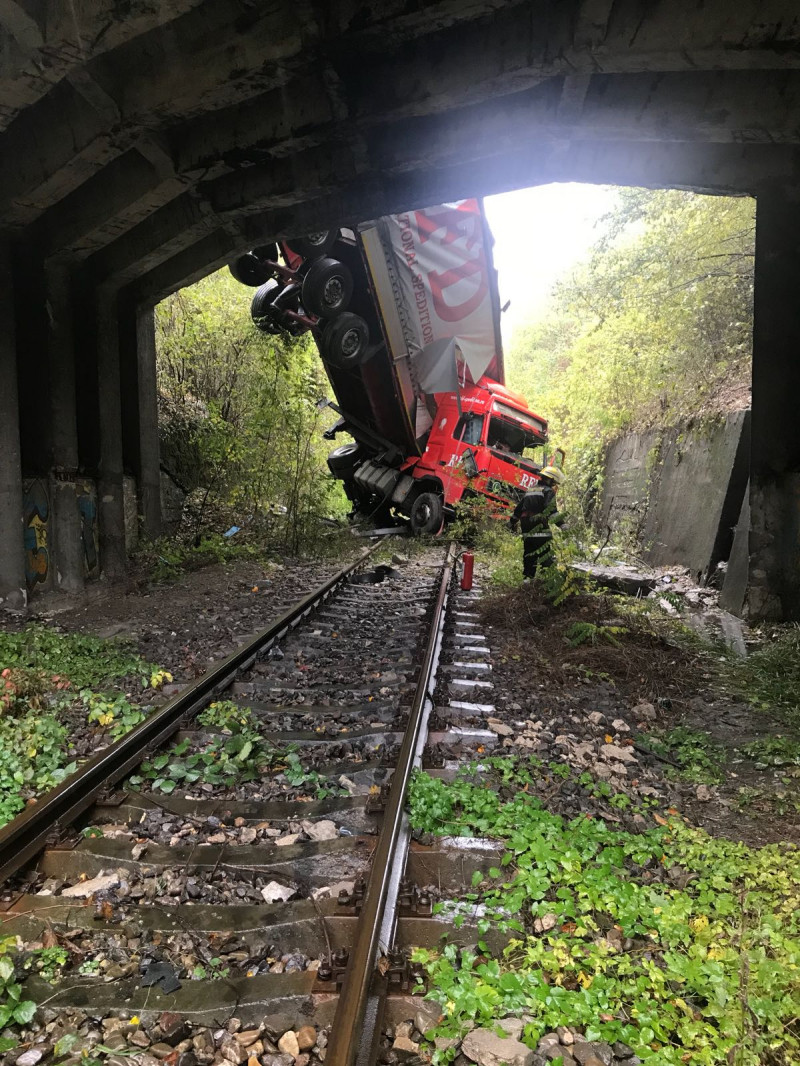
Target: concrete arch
(139, 151)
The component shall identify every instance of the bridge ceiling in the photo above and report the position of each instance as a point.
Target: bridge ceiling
(150, 140)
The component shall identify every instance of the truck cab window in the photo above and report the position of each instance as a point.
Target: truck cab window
(469, 429)
(506, 437)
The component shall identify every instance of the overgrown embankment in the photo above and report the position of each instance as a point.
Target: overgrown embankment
(648, 903)
(653, 329)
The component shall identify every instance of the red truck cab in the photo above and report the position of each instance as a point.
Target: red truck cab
(477, 444)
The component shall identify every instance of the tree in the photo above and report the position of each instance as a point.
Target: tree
(653, 328)
(244, 406)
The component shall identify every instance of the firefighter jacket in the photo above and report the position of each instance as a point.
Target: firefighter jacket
(535, 511)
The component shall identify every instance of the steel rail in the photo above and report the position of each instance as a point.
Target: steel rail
(356, 1024)
(26, 834)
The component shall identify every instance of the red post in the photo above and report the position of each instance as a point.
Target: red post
(466, 573)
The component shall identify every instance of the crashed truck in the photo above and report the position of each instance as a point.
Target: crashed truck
(405, 313)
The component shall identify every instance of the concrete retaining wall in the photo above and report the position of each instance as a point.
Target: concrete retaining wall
(680, 491)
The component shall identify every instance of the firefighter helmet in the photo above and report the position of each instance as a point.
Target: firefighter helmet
(553, 473)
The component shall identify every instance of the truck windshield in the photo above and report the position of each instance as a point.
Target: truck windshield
(513, 431)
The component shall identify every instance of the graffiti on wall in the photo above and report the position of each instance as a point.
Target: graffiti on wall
(87, 505)
(36, 510)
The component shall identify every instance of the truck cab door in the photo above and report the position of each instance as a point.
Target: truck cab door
(463, 466)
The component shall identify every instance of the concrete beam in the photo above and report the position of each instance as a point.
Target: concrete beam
(111, 511)
(148, 476)
(104, 207)
(43, 43)
(209, 253)
(65, 516)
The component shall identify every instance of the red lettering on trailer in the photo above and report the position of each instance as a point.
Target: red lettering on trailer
(460, 236)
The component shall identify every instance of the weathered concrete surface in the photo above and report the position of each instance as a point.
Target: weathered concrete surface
(774, 586)
(143, 145)
(675, 491)
(734, 588)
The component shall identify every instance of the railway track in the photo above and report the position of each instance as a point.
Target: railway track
(236, 880)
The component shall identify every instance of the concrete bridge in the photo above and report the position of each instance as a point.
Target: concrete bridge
(143, 144)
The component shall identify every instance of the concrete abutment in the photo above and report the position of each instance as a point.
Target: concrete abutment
(774, 540)
(72, 501)
(12, 569)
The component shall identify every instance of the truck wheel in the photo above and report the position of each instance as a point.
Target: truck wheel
(249, 270)
(263, 314)
(427, 513)
(314, 245)
(342, 460)
(327, 288)
(346, 340)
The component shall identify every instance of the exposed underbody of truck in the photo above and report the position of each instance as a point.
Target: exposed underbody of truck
(405, 313)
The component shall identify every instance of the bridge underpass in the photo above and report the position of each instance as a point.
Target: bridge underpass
(140, 151)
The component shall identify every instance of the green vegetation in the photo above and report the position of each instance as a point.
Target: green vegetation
(773, 751)
(651, 330)
(706, 973)
(589, 633)
(34, 756)
(246, 755)
(215, 969)
(698, 756)
(239, 416)
(770, 675)
(167, 558)
(48, 962)
(13, 1008)
(227, 716)
(82, 660)
(51, 672)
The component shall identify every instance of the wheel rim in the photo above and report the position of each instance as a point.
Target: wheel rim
(333, 292)
(317, 238)
(425, 514)
(351, 342)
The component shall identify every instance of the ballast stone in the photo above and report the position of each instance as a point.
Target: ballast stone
(486, 1048)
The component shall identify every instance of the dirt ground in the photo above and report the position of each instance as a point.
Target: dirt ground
(637, 671)
(184, 625)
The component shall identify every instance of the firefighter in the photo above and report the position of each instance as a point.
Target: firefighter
(534, 513)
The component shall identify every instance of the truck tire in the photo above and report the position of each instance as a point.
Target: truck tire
(427, 514)
(327, 288)
(314, 245)
(342, 460)
(248, 269)
(345, 341)
(263, 314)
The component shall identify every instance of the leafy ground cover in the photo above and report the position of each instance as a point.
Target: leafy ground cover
(683, 946)
(48, 681)
(243, 753)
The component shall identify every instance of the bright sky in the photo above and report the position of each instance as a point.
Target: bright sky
(539, 234)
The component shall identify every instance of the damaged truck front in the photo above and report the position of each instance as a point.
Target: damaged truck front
(405, 313)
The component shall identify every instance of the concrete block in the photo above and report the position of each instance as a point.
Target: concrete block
(677, 490)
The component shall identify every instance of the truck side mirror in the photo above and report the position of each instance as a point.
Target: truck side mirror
(468, 463)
